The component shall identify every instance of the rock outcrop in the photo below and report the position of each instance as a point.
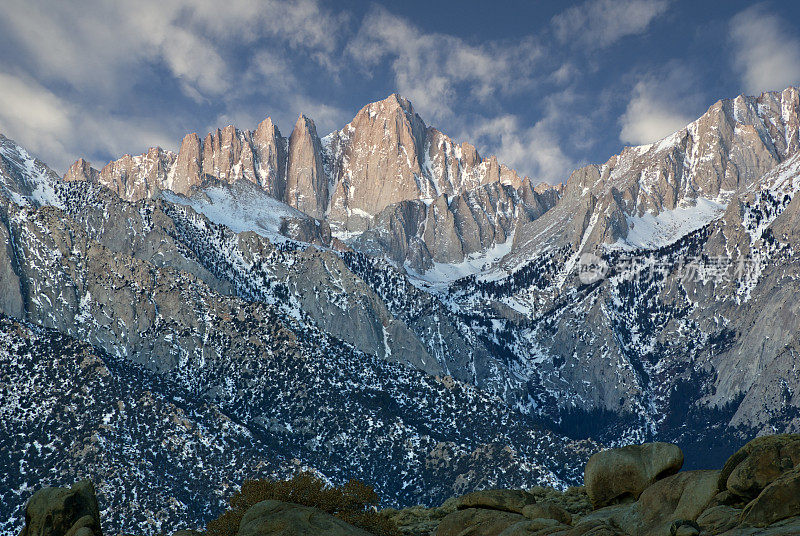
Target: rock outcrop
(277, 518)
(687, 503)
(478, 522)
(63, 512)
(671, 502)
(761, 499)
(760, 462)
(514, 501)
(616, 474)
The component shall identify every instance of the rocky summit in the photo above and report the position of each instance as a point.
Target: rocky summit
(386, 304)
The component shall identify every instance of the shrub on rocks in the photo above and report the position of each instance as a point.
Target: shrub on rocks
(353, 503)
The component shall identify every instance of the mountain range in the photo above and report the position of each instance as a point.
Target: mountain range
(387, 304)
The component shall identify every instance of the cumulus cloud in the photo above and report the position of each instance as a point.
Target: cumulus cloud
(766, 52)
(434, 70)
(103, 44)
(649, 118)
(56, 130)
(33, 114)
(599, 23)
(530, 150)
(535, 150)
(662, 102)
(94, 65)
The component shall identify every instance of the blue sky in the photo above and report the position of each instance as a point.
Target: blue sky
(545, 85)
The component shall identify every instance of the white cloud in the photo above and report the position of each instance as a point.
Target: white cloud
(435, 70)
(533, 150)
(58, 132)
(649, 119)
(661, 103)
(103, 45)
(87, 64)
(599, 23)
(32, 115)
(766, 53)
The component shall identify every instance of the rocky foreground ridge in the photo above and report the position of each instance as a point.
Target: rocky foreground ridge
(637, 490)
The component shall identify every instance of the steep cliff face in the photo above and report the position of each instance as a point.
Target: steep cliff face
(353, 179)
(387, 155)
(377, 160)
(651, 195)
(270, 155)
(306, 182)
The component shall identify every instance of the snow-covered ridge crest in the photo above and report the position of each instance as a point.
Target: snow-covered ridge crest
(24, 179)
(385, 159)
(652, 195)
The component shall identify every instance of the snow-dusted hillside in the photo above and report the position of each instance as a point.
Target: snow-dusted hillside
(216, 341)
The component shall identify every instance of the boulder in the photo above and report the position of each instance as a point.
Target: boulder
(535, 527)
(684, 527)
(595, 528)
(679, 498)
(575, 500)
(477, 522)
(663, 508)
(289, 519)
(547, 510)
(788, 527)
(718, 519)
(419, 519)
(63, 512)
(616, 474)
(508, 500)
(726, 498)
(760, 462)
(779, 500)
(601, 520)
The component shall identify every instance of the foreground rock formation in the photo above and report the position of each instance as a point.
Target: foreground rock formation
(756, 493)
(60, 511)
(638, 491)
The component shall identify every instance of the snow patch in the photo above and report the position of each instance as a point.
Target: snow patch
(438, 278)
(241, 207)
(657, 230)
